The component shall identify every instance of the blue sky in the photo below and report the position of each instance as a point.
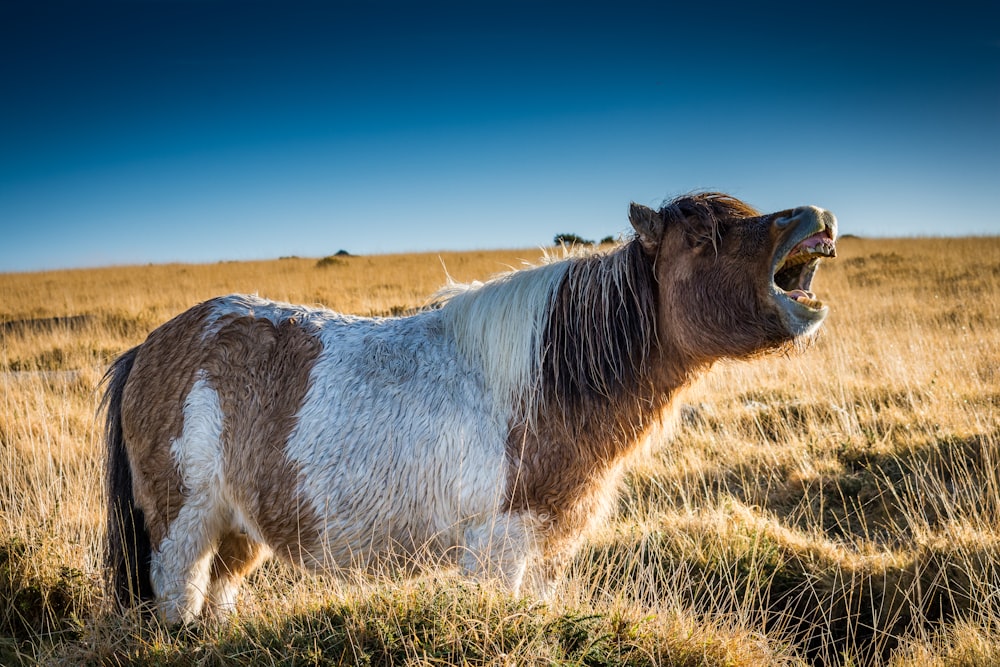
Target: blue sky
(203, 130)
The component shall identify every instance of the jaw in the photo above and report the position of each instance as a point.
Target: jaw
(795, 262)
(801, 316)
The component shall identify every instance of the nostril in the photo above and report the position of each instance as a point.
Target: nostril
(829, 220)
(788, 218)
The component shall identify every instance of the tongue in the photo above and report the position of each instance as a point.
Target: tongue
(804, 297)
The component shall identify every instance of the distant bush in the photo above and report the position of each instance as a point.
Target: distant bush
(608, 240)
(337, 259)
(571, 239)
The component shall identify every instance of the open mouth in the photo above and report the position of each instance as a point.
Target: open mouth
(794, 272)
(809, 238)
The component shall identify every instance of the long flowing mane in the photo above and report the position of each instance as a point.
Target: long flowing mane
(572, 330)
(577, 329)
(499, 325)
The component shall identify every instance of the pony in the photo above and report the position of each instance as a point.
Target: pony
(489, 431)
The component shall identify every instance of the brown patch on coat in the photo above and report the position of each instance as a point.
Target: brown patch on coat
(261, 374)
(237, 556)
(565, 467)
(166, 366)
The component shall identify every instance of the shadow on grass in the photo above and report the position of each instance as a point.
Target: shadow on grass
(833, 605)
(455, 623)
(39, 605)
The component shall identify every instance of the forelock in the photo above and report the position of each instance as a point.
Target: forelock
(707, 208)
(701, 214)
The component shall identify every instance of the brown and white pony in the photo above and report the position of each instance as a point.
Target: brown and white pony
(490, 431)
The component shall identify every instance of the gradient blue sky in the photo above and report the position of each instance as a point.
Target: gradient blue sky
(202, 130)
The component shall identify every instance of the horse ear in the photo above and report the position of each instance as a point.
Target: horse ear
(648, 224)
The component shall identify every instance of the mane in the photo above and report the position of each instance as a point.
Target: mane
(574, 329)
(499, 326)
(602, 328)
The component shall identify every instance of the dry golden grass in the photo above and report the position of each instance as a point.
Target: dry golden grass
(840, 505)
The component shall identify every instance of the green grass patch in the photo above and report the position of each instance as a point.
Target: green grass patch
(39, 604)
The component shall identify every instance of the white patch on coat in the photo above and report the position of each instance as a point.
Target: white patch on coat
(398, 455)
(181, 564)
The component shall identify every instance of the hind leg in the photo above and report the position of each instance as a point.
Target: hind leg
(180, 566)
(237, 557)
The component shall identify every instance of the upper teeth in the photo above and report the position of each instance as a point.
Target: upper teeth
(801, 254)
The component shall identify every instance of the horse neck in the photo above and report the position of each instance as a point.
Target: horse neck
(606, 374)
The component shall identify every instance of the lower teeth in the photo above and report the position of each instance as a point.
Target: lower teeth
(806, 301)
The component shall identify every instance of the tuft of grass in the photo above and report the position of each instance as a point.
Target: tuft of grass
(828, 598)
(40, 602)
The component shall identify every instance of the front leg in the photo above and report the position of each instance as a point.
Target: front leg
(544, 574)
(501, 549)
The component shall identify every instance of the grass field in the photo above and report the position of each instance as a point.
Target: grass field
(839, 506)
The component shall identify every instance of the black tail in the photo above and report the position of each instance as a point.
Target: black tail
(128, 547)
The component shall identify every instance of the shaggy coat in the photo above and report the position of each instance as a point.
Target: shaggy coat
(490, 431)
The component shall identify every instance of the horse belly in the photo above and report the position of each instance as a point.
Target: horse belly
(378, 494)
